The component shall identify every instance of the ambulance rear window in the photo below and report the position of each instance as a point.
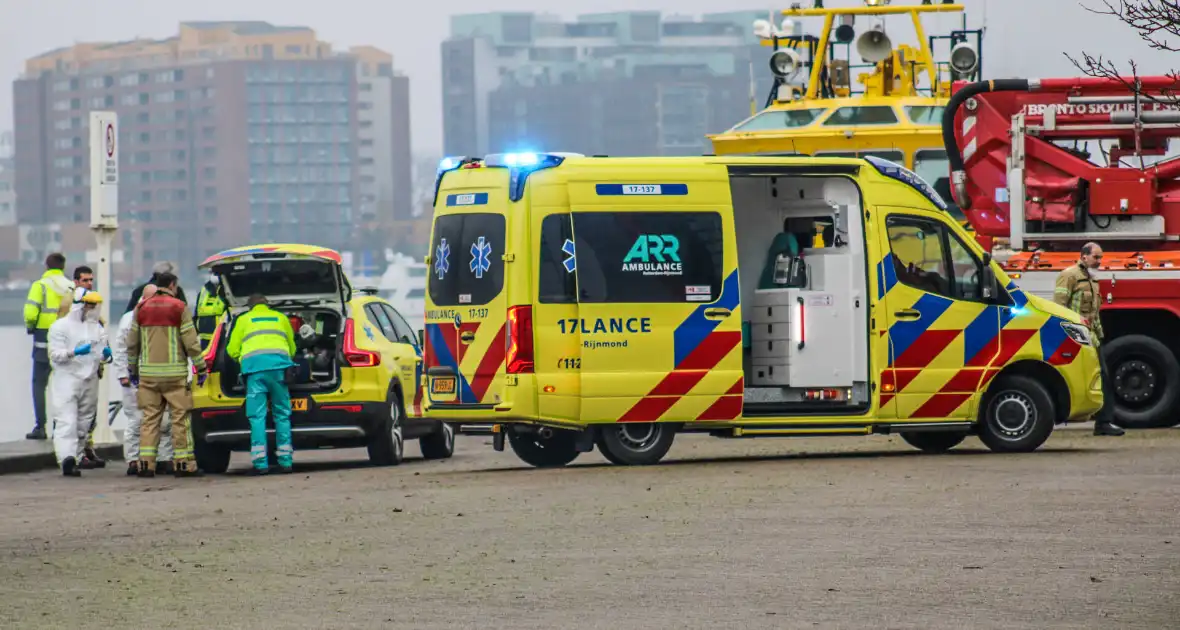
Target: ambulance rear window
(645, 257)
(557, 283)
(467, 265)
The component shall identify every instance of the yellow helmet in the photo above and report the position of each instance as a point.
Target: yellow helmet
(91, 297)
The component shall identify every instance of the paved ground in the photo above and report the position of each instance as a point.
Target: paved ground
(30, 455)
(834, 533)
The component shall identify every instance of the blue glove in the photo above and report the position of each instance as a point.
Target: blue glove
(82, 349)
(106, 354)
(201, 377)
(133, 378)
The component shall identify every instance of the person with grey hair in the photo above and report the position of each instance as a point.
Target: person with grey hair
(161, 267)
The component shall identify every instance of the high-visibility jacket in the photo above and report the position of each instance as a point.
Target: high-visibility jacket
(210, 308)
(262, 340)
(162, 339)
(41, 306)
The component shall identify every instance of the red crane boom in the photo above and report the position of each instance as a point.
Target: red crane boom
(1049, 164)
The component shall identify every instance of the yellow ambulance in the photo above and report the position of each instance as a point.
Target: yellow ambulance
(577, 301)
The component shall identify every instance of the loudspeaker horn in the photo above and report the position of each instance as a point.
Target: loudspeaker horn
(874, 45)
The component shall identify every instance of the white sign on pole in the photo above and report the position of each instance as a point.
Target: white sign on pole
(104, 170)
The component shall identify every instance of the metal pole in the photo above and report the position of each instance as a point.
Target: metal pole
(1016, 185)
(103, 434)
(104, 222)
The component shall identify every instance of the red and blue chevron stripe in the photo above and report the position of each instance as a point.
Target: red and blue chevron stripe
(1057, 348)
(693, 339)
(913, 345)
(697, 348)
(886, 275)
(444, 350)
(911, 342)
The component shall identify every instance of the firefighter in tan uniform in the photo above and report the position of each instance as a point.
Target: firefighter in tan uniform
(1078, 291)
(160, 343)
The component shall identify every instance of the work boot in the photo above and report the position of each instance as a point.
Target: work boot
(69, 468)
(90, 464)
(286, 470)
(132, 469)
(38, 433)
(145, 472)
(260, 472)
(90, 454)
(187, 469)
(1107, 428)
(165, 468)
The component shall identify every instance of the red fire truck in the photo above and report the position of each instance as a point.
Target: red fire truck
(1050, 164)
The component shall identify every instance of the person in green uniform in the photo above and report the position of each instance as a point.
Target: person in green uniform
(263, 344)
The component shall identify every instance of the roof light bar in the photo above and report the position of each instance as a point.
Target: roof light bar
(520, 165)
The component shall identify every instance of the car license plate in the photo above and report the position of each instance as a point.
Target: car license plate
(298, 404)
(445, 385)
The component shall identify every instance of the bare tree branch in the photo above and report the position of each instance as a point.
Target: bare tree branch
(1156, 22)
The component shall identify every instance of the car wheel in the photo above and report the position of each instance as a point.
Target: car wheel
(1018, 415)
(387, 446)
(440, 444)
(1145, 379)
(636, 443)
(557, 449)
(933, 441)
(212, 458)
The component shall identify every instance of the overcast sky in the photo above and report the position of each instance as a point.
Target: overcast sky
(1025, 38)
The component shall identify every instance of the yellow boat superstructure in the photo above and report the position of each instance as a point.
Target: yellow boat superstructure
(895, 109)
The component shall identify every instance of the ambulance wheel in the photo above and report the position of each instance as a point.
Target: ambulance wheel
(554, 451)
(387, 445)
(1145, 379)
(635, 443)
(440, 444)
(1018, 415)
(211, 458)
(933, 441)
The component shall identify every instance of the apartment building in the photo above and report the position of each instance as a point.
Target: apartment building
(630, 83)
(230, 133)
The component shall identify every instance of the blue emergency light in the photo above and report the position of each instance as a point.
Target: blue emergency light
(512, 160)
(445, 166)
(520, 165)
(451, 163)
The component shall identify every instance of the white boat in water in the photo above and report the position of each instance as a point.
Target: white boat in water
(402, 282)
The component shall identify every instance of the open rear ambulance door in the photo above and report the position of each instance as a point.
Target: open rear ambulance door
(466, 309)
(281, 273)
(659, 318)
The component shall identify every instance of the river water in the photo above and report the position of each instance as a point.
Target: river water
(16, 393)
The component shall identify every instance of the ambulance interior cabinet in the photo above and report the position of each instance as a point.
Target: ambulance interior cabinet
(802, 339)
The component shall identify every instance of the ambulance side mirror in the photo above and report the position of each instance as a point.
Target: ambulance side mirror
(421, 338)
(987, 280)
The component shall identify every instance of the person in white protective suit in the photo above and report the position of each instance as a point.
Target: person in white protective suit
(130, 402)
(77, 347)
